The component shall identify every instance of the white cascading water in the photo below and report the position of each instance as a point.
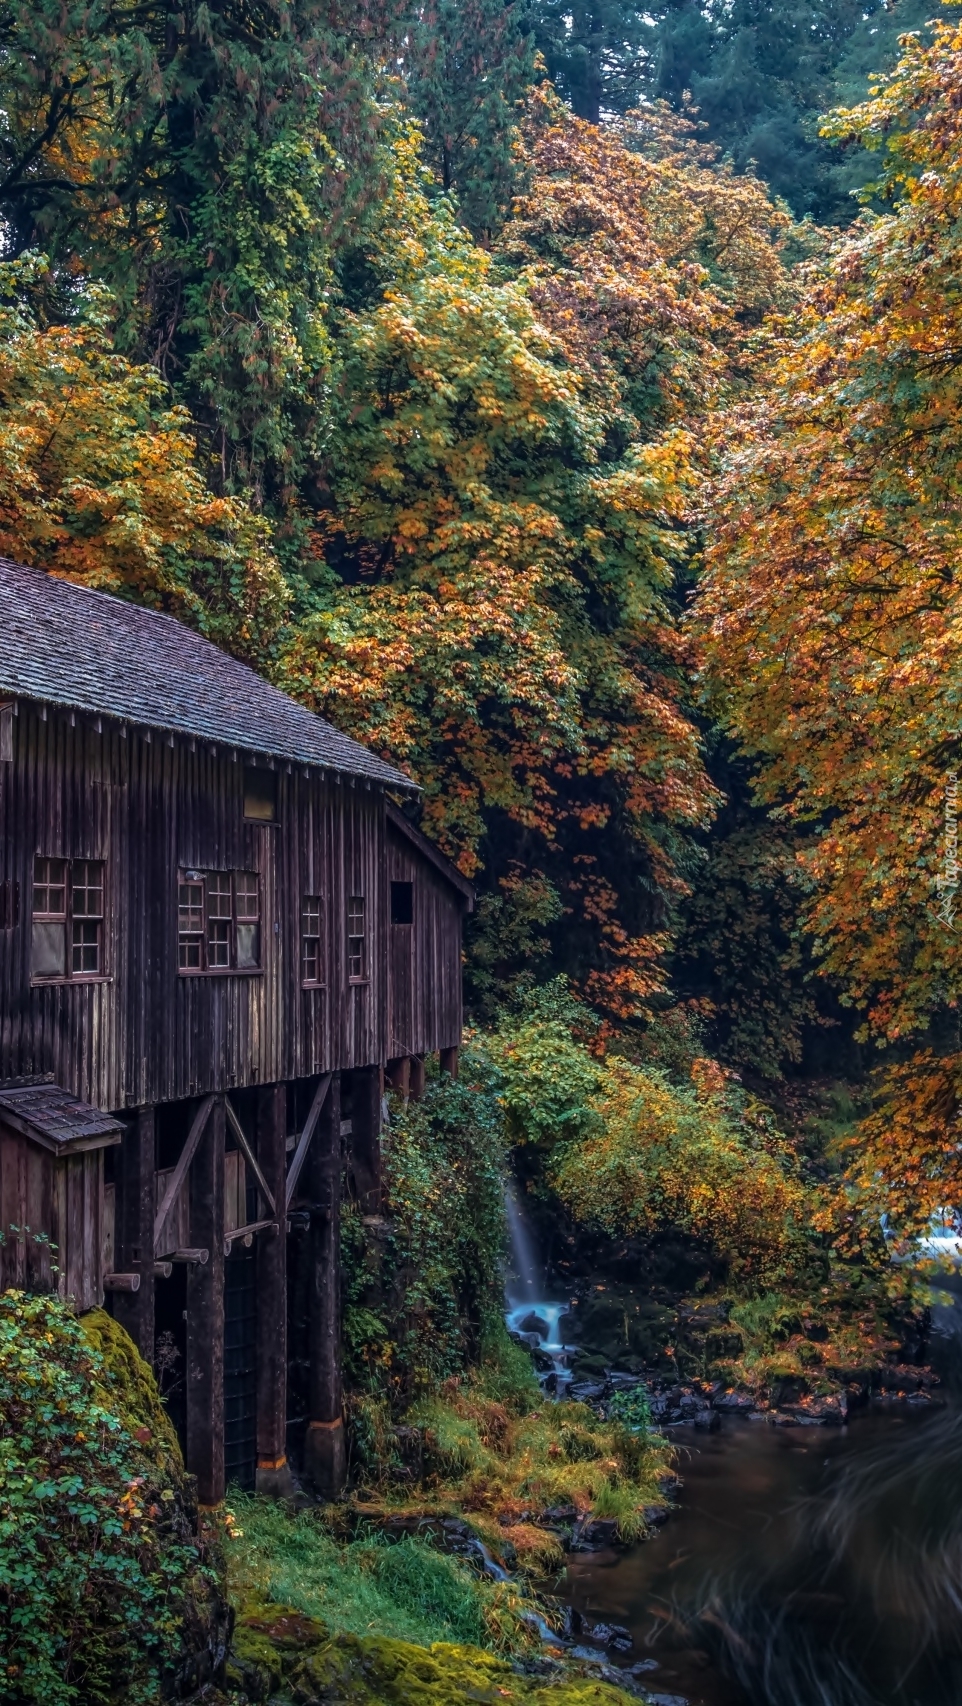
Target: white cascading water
(529, 1311)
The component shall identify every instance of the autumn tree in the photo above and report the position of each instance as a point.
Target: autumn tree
(204, 164)
(830, 610)
(99, 479)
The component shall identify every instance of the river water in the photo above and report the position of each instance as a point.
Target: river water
(801, 1566)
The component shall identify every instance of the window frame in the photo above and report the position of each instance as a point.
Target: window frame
(316, 914)
(354, 901)
(402, 883)
(83, 927)
(218, 911)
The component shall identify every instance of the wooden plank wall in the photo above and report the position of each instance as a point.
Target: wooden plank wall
(145, 1034)
(424, 957)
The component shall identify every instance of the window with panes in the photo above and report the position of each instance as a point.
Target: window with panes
(356, 939)
(67, 934)
(312, 960)
(218, 921)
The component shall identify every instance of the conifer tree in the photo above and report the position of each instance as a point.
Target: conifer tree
(467, 65)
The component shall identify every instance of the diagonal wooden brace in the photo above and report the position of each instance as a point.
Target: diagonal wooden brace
(304, 1141)
(250, 1157)
(179, 1173)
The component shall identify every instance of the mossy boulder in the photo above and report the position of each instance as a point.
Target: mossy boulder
(126, 1386)
(282, 1657)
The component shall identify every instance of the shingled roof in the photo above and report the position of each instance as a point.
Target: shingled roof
(67, 645)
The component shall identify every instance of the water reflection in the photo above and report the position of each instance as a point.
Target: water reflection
(804, 1568)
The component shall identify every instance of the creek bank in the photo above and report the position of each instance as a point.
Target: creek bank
(790, 1360)
(282, 1656)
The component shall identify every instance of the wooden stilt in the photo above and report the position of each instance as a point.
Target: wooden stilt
(273, 1475)
(366, 1139)
(398, 1076)
(449, 1061)
(205, 1313)
(416, 1080)
(325, 1461)
(134, 1230)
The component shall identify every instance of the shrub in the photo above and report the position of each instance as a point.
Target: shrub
(102, 1579)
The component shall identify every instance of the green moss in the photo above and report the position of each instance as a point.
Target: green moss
(126, 1386)
(278, 1656)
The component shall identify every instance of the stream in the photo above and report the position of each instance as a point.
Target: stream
(802, 1566)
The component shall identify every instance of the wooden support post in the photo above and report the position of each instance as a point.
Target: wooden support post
(134, 1230)
(366, 1138)
(416, 1081)
(399, 1075)
(449, 1061)
(205, 1313)
(325, 1462)
(272, 1474)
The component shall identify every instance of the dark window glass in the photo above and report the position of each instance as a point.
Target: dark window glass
(260, 794)
(356, 938)
(402, 903)
(68, 907)
(218, 921)
(311, 962)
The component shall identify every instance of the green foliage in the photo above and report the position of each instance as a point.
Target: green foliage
(466, 66)
(547, 1076)
(631, 1410)
(101, 1569)
(594, 52)
(739, 952)
(185, 159)
(761, 77)
(403, 1589)
(439, 1279)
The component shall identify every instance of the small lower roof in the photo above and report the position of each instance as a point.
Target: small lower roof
(55, 1119)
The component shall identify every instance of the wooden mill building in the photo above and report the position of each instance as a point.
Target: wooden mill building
(219, 932)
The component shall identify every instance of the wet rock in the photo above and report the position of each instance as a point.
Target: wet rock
(534, 1323)
(732, 1400)
(655, 1515)
(668, 1699)
(595, 1534)
(707, 1420)
(643, 1666)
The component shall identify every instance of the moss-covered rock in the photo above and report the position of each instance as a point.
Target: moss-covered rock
(110, 1593)
(126, 1386)
(290, 1660)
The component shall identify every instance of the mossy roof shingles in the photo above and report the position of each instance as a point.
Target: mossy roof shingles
(88, 651)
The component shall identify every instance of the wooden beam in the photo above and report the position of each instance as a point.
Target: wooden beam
(304, 1141)
(204, 1363)
(247, 1233)
(325, 1459)
(272, 1474)
(121, 1282)
(179, 1173)
(449, 1061)
(250, 1157)
(134, 1229)
(365, 1135)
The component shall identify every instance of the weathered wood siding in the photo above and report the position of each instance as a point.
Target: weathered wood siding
(424, 957)
(62, 1199)
(144, 1033)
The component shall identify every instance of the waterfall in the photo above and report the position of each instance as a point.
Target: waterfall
(529, 1313)
(524, 1279)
